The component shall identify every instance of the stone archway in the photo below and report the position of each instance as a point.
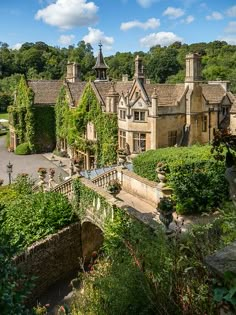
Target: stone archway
(91, 239)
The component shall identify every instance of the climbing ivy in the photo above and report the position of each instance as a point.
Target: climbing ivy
(21, 114)
(71, 125)
(85, 198)
(33, 125)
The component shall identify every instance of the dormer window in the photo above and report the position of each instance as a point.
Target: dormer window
(139, 116)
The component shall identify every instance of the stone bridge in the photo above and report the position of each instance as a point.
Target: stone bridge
(138, 196)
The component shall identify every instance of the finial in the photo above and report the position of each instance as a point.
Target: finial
(100, 45)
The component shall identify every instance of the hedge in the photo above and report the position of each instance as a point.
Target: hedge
(196, 178)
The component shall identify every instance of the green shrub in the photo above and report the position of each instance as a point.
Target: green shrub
(31, 217)
(196, 177)
(23, 149)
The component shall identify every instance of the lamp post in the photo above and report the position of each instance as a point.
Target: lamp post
(9, 171)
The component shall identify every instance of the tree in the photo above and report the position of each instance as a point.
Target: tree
(163, 63)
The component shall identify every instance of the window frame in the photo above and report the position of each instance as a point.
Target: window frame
(139, 113)
(139, 141)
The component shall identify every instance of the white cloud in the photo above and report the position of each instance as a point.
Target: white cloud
(66, 39)
(146, 3)
(231, 27)
(17, 46)
(231, 11)
(67, 14)
(215, 16)
(150, 23)
(173, 13)
(95, 36)
(161, 38)
(229, 39)
(189, 19)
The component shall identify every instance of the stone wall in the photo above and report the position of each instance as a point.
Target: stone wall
(52, 258)
(140, 187)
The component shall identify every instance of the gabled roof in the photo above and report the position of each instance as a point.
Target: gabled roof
(45, 91)
(76, 90)
(102, 88)
(168, 94)
(213, 93)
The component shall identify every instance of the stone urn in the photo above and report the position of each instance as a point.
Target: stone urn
(42, 175)
(122, 157)
(161, 174)
(114, 187)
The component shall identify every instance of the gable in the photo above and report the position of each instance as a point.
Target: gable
(122, 102)
(140, 104)
(226, 101)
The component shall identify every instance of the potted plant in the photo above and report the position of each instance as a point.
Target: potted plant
(42, 171)
(114, 187)
(166, 207)
(51, 172)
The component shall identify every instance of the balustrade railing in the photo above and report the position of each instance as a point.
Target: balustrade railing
(64, 188)
(104, 179)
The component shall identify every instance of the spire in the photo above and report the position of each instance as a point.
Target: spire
(100, 66)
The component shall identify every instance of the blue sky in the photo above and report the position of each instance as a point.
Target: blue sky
(121, 25)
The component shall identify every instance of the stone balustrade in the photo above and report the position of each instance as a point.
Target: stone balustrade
(104, 179)
(65, 188)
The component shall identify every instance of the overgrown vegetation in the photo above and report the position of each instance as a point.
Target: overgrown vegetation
(71, 125)
(196, 177)
(142, 272)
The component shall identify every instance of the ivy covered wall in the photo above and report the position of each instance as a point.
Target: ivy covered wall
(45, 133)
(71, 125)
(34, 125)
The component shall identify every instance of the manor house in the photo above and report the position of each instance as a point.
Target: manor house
(150, 116)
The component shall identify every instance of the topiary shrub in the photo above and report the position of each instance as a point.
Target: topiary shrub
(23, 149)
(196, 177)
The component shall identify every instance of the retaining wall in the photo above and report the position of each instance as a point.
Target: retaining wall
(52, 258)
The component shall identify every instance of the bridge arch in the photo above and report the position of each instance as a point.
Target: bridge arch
(91, 239)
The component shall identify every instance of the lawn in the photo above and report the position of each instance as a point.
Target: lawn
(4, 115)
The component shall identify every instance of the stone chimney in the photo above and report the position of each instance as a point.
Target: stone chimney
(125, 78)
(73, 72)
(193, 68)
(139, 69)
